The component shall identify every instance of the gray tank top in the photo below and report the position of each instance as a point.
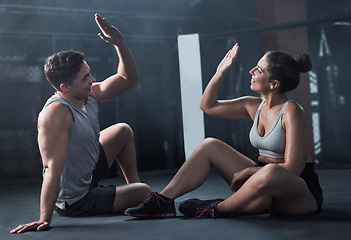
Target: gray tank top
(273, 143)
(83, 150)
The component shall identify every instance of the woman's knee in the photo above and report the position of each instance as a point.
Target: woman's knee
(270, 176)
(207, 148)
(211, 143)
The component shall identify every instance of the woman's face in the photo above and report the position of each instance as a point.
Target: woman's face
(260, 76)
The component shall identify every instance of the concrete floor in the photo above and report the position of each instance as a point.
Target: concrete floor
(19, 203)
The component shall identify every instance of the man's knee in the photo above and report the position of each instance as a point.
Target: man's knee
(130, 195)
(144, 189)
(124, 129)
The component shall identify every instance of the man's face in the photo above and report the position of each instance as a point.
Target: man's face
(80, 88)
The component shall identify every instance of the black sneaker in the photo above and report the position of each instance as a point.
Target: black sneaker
(196, 208)
(155, 206)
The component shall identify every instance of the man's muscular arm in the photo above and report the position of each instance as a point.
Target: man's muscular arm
(54, 125)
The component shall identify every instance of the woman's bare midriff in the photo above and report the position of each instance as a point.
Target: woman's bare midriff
(266, 159)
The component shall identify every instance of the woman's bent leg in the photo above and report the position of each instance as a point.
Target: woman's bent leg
(211, 152)
(193, 173)
(274, 188)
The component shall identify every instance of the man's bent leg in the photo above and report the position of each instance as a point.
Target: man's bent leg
(130, 195)
(118, 142)
(99, 200)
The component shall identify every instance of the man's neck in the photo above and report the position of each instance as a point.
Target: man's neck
(75, 101)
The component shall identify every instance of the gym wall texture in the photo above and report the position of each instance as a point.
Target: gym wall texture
(32, 30)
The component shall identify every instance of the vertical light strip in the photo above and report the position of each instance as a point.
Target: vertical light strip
(191, 91)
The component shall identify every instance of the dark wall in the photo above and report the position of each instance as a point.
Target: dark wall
(32, 30)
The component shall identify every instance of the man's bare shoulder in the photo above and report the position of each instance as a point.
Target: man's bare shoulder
(55, 115)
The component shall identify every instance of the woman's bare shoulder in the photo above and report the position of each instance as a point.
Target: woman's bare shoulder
(251, 104)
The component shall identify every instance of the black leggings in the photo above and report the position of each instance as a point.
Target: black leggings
(311, 179)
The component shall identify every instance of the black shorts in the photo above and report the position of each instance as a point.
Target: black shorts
(99, 199)
(311, 179)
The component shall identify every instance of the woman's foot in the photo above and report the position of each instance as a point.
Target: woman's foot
(196, 208)
(155, 206)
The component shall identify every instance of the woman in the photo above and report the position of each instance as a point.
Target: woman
(282, 181)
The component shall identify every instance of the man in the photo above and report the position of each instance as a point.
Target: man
(75, 154)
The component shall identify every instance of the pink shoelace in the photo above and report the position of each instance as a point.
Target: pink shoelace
(151, 195)
(206, 212)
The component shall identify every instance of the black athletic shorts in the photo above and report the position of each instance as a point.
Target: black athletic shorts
(311, 179)
(99, 199)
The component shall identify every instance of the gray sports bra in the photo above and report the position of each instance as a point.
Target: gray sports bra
(273, 143)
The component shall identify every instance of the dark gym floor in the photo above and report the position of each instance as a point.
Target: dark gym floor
(19, 203)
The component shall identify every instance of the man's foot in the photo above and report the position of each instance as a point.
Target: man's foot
(196, 208)
(155, 206)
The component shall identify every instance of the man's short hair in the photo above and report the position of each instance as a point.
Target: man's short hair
(63, 67)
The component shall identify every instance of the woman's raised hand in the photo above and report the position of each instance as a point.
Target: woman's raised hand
(228, 61)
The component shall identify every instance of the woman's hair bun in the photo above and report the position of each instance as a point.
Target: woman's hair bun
(304, 62)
